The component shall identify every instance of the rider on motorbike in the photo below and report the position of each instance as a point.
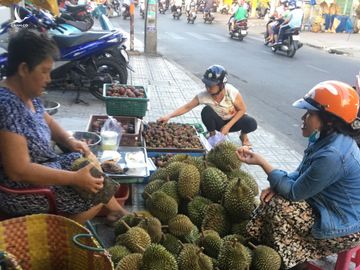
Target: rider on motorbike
(190, 5)
(208, 7)
(175, 5)
(277, 18)
(292, 22)
(239, 15)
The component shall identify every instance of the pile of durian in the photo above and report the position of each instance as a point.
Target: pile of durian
(197, 209)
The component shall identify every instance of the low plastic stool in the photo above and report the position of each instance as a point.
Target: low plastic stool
(344, 260)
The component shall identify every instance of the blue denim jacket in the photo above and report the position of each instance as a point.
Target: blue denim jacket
(328, 178)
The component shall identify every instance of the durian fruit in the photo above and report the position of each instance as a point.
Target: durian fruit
(213, 184)
(198, 162)
(171, 243)
(134, 239)
(153, 227)
(234, 256)
(143, 214)
(130, 262)
(162, 206)
(246, 178)
(189, 182)
(131, 220)
(211, 242)
(192, 237)
(240, 228)
(239, 200)
(170, 188)
(178, 157)
(118, 252)
(180, 225)
(223, 155)
(235, 237)
(173, 170)
(216, 219)
(152, 187)
(156, 257)
(264, 258)
(160, 173)
(191, 257)
(196, 209)
(109, 186)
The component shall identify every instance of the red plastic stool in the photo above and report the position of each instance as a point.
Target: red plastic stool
(343, 260)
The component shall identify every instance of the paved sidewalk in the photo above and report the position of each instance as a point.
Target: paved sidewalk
(169, 87)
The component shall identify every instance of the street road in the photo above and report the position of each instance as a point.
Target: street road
(268, 83)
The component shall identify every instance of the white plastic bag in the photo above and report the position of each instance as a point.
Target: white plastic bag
(217, 138)
(112, 126)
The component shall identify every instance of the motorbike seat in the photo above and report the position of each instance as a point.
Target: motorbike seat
(73, 8)
(68, 41)
(292, 31)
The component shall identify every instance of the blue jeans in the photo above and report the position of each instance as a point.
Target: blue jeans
(329, 20)
(282, 30)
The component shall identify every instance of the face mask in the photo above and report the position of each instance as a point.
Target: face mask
(314, 136)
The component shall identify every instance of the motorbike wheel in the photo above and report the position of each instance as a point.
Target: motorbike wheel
(291, 52)
(241, 38)
(108, 71)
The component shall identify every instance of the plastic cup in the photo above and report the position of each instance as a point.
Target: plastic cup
(109, 140)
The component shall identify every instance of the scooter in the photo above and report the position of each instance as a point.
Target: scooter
(87, 60)
(78, 13)
(142, 10)
(177, 13)
(162, 7)
(290, 44)
(125, 11)
(224, 9)
(191, 16)
(208, 17)
(240, 30)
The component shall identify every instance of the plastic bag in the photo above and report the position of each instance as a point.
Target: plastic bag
(111, 132)
(217, 138)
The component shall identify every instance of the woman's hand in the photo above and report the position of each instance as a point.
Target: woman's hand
(266, 195)
(246, 155)
(225, 130)
(164, 119)
(86, 181)
(78, 146)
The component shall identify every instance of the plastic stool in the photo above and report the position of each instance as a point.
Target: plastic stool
(344, 260)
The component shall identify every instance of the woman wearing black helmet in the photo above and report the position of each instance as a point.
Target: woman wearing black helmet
(224, 110)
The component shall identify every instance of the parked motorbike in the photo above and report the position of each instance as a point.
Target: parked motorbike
(125, 11)
(208, 17)
(177, 13)
(87, 60)
(78, 13)
(191, 16)
(240, 30)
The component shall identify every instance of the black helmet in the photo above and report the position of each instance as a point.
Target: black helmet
(214, 75)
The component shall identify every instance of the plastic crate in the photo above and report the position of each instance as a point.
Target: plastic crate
(127, 139)
(121, 195)
(125, 105)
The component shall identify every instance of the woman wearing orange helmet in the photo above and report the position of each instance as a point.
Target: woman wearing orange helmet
(314, 211)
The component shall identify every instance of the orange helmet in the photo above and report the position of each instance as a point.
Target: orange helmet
(335, 97)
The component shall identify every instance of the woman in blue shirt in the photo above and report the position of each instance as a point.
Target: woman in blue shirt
(314, 211)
